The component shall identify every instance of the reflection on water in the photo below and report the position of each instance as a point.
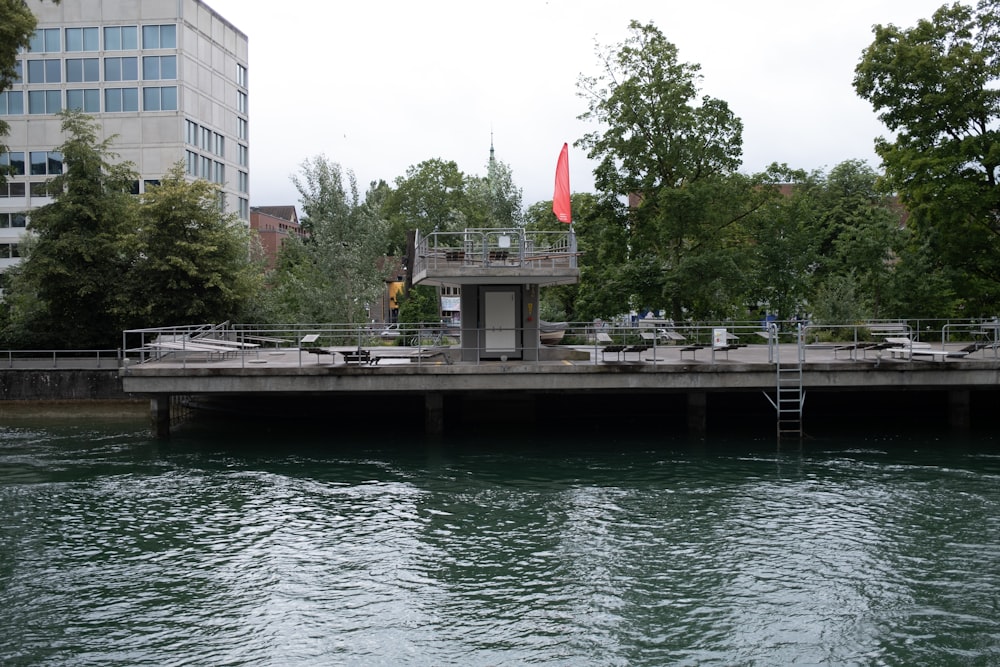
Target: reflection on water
(236, 547)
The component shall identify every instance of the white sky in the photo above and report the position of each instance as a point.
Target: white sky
(382, 85)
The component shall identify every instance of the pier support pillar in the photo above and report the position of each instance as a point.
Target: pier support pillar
(159, 411)
(697, 414)
(434, 413)
(960, 410)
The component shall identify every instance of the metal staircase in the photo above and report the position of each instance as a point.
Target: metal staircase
(789, 397)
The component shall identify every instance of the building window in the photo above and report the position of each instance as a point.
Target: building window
(244, 208)
(241, 76)
(121, 38)
(46, 163)
(79, 70)
(206, 168)
(39, 189)
(159, 37)
(159, 99)
(8, 220)
(206, 139)
(191, 163)
(243, 156)
(121, 69)
(45, 41)
(150, 183)
(121, 99)
(220, 173)
(87, 100)
(12, 163)
(243, 182)
(82, 39)
(10, 190)
(155, 68)
(45, 71)
(44, 101)
(241, 101)
(11, 103)
(219, 144)
(241, 128)
(191, 132)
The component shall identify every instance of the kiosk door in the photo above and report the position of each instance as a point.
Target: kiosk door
(500, 322)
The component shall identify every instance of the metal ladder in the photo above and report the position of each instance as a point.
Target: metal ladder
(789, 397)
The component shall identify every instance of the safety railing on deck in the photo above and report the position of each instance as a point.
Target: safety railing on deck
(647, 340)
(509, 247)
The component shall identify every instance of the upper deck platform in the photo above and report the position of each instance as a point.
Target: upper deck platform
(508, 256)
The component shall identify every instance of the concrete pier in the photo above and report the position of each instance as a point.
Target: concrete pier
(581, 371)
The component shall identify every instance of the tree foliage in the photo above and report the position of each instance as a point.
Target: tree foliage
(676, 156)
(334, 275)
(936, 86)
(70, 288)
(194, 264)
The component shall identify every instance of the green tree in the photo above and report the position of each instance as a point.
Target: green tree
(676, 156)
(935, 86)
(71, 289)
(193, 263)
(782, 244)
(334, 276)
(431, 195)
(494, 201)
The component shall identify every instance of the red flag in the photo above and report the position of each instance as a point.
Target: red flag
(560, 200)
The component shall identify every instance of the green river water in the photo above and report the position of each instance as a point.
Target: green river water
(241, 545)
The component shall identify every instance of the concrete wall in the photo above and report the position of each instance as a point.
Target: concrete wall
(55, 384)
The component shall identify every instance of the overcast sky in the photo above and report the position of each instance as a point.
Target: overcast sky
(382, 85)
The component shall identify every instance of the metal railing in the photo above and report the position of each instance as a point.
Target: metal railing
(508, 247)
(66, 359)
(254, 343)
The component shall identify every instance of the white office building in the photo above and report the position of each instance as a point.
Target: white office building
(167, 78)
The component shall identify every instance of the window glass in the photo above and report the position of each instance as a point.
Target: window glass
(241, 75)
(45, 40)
(79, 70)
(44, 101)
(121, 69)
(121, 38)
(55, 162)
(121, 99)
(241, 101)
(150, 99)
(45, 71)
(244, 156)
(16, 189)
(82, 39)
(39, 161)
(159, 37)
(11, 103)
(36, 71)
(87, 100)
(159, 67)
(14, 161)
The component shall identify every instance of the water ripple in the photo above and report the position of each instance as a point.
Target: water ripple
(115, 553)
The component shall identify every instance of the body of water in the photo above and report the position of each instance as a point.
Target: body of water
(232, 545)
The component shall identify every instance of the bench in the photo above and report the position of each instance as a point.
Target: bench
(358, 357)
(693, 349)
(608, 345)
